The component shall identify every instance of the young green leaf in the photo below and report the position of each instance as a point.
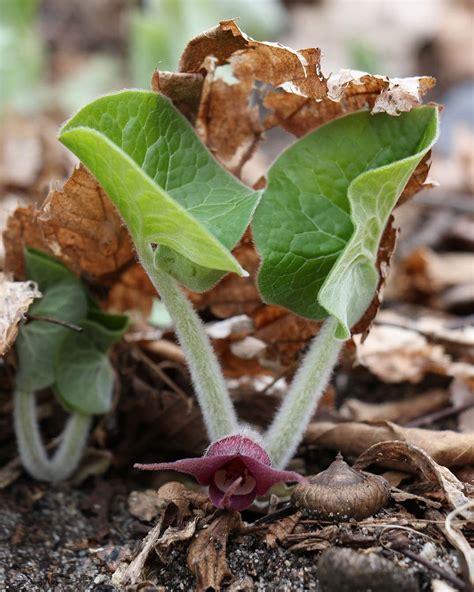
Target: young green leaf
(166, 185)
(84, 376)
(104, 329)
(63, 299)
(328, 200)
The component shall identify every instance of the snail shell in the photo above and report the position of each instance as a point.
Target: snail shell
(341, 493)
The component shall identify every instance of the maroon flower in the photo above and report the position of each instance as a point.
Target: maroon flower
(235, 468)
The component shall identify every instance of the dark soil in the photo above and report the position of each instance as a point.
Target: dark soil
(49, 538)
(64, 539)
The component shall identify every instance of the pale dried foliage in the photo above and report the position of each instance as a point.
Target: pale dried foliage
(15, 299)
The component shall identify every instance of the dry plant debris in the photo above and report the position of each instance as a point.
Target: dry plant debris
(15, 299)
(409, 458)
(77, 224)
(446, 447)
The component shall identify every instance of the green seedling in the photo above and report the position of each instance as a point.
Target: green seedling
(317, 226)
(69, 355)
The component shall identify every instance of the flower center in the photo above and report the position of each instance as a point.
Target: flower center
(234, 470)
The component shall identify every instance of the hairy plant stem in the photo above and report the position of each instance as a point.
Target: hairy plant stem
(30, 445)
(309, 383)
(216, 406)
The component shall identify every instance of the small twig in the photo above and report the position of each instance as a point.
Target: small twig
(437, 415)
(283, 512)
(159, 372)
(278, 377)
(451, 578)
(67, 324)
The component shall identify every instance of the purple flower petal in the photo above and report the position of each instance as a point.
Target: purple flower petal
(202, 468)
(239, 445)
(266, 476)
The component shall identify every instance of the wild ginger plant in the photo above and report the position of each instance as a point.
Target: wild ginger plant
(317, 227)
(63, 345)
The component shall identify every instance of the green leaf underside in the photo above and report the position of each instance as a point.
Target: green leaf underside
(84, 376)
(327, 202)
(166, 185)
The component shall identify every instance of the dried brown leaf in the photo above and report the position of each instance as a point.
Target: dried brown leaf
(397, 354)
(144, 505)
(278, 531)
(457, 538)
(177, 534)
(132, 290)
(347, 91)
(429, 272)
(184, 499)
(15, 299)
(400, 411)
(77, 224)
(30, 154)
(130, 574)
(207, 552)
(397, 454)
(446, 447)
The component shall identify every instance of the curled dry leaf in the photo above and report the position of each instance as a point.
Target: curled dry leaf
(207, 552)
(446, 447)
(77, 224)
(457, 538)
(177, 505)
(186, 500)
(402, 455)
(232, 64)
(130, 574)
(347, 91)
(15, 299)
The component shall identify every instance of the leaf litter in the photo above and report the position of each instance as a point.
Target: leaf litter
(226, 67)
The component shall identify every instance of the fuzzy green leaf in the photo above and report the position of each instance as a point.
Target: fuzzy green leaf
(104, 329)
(84, 376)
(328, 200)
(166, 185)
(38, 341)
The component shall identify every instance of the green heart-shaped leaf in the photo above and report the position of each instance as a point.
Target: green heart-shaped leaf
(38, 341)
(166, 185)
(84, 376)
(327, 202)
